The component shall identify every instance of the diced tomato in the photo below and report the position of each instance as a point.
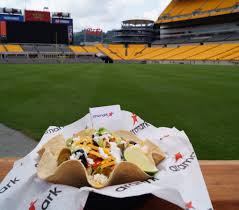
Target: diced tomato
(97, 163)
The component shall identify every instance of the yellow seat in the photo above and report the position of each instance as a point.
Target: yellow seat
(119, 49)
(133, 50)
(77, 49)
(2, 49)
(14, 48)
(108, 52)
(91, 49)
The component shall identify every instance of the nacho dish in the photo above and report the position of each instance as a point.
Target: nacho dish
(98, 158)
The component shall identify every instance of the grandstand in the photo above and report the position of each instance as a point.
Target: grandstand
(188, 31)
(179, 10)
(195, 31)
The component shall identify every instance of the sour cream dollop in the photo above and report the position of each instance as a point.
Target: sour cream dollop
(115, 152)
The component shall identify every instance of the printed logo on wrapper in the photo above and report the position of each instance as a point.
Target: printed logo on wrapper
(50, 197)
(100, 116)
(140, 127)
(178, 156)
(129, 185)
(10, 184)
(32, 205)
(181, 163)
(110, 114)
(134, 118)
(53, 130)
(189, 205)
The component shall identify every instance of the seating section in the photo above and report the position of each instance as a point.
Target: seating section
(179, 10)
(119, 52)
(13, 48)
(138, 52)
(209, 52)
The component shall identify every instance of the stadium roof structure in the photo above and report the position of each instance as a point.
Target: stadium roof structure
(137, 22)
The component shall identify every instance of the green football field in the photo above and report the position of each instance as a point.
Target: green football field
(202, 100)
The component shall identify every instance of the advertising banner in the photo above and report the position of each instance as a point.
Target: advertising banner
(7, 17)
(3, 29)
(62, 21)
(70, 34)
(37, 16)
(94, 32)
(69, 23)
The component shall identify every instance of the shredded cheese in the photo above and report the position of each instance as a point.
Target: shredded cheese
(108, 164)
(95, 153)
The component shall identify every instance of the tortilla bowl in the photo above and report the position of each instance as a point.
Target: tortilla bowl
(55, 167)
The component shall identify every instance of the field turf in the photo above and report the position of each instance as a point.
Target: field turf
(202, 100)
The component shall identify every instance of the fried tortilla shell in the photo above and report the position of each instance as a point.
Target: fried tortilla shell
(54, 165)
(55, 145)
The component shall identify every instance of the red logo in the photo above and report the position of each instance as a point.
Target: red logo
(110, 114)
(178, 156)
(189, 205)
(134, 117)
(32, 205)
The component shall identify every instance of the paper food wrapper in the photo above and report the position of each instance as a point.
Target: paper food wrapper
(178, 181)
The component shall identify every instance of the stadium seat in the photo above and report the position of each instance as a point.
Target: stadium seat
(134, 49)
(77, 49)
(118, 49)
(149, 53)
(13, 48)
(91, 49)
(231, 56)
(218, 49)
(173, 53)
(224, 55)
(226, 4)
(108, 52)
(2, 48)
(210, 5)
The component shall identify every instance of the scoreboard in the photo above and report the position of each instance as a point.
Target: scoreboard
(37, 32)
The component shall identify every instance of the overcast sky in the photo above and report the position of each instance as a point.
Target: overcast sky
(105, 14)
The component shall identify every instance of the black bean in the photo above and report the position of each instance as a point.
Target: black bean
(132, 142)
(79, 150)
(95, 143)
